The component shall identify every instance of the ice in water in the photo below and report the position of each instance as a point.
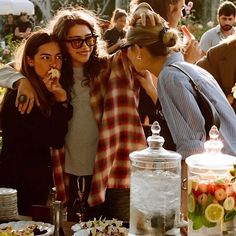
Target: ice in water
(154, 201)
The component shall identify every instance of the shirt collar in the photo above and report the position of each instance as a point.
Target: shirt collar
(173, 57)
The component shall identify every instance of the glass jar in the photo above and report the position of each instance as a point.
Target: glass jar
(211, 190)
(155, 188)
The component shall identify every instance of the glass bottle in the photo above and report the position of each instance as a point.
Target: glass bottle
(155, 189)
(57, 219)
(211, 190)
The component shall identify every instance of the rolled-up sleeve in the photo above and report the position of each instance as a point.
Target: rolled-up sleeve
(8, 76)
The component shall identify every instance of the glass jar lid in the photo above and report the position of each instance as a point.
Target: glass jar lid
(212, 158)
(155, 151)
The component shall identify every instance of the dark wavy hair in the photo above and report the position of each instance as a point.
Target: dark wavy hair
(29, 48)
(61, 24)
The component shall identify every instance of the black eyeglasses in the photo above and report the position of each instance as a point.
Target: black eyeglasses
(78, 42)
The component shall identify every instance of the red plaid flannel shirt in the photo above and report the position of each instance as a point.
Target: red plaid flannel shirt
(60, 178)
(114, 99)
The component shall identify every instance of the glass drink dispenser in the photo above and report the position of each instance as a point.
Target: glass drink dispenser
(155, 189)
(211, 190)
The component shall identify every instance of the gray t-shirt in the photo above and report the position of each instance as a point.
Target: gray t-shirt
(82, 137)
(211, 38)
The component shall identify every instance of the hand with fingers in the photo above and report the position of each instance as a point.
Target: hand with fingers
(26, 97)
(192, 51)
(53, 85)
(145, 13)
(148, 82)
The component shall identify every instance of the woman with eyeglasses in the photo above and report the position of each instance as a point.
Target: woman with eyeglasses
(102, 131)
(85, 52)
(25, 162)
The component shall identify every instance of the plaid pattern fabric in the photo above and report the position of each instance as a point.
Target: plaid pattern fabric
(59, 177)
(114, 99)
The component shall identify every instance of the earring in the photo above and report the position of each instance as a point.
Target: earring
(138, 57)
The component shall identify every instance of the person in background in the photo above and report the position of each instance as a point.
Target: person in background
(115, 34)
(25, 162)
(9, 26)
(220, 62)
(23, 27)
(226, 19)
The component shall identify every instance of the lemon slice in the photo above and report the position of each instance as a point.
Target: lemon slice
(229, 203)
(191, 203)
(214, 213)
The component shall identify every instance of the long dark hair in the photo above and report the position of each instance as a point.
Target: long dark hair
(60, 25)
(29, 48)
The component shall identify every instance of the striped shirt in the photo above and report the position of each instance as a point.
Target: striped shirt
(181, 111)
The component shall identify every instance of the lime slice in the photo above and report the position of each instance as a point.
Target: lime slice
(214, 212)
(191, 203)
(189, 188)
(229, 203)
(234, 186)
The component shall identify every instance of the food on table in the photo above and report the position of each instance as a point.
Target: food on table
(30, 230)
(9, 231)
(102, 227)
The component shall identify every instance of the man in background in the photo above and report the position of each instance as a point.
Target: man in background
(23, 27)
(226, 19)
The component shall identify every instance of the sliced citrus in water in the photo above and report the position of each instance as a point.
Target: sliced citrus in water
(191, 203)
(229, 203)
(214, 212)
(189, 187)
(234, 186)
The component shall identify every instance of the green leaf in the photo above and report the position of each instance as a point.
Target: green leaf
(197, 223)
(191, 216)
(207, 223)
(198, 209)
(229, 215)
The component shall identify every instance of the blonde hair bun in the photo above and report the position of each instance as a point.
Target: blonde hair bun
(170, 38)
